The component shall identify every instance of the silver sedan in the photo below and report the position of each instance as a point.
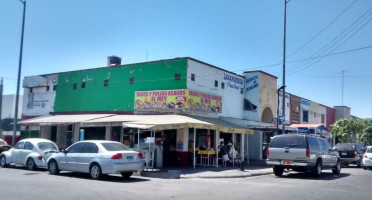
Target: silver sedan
(97, 157)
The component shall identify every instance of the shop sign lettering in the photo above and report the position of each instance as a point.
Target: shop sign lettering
(251, 83)
(233, 82)
(177, 100)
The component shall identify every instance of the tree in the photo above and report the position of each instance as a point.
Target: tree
(366, 134)
(348, 129)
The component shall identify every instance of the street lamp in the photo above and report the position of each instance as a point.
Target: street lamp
(283, 86)
(19, 75)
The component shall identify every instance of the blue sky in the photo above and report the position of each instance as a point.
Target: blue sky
(64, 35)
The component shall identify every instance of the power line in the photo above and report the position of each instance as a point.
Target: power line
(323, 29)
(339, 38)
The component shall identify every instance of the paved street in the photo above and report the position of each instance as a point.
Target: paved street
(18, 183)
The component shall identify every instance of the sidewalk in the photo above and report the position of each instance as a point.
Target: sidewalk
(254, 169)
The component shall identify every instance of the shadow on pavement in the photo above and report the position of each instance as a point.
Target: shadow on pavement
(325, 176)
(105, 177)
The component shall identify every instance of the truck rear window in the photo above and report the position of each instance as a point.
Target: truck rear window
(344, 147)
(291, 141)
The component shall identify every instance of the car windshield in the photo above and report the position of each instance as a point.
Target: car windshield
(113, 146)
(2, 142)
(45, 146)
(344, 147)
(369, 150)
(292, 141)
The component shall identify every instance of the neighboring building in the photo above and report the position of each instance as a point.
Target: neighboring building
(342, 112)
(7, 116)
(287, 107)
(305, 111)
(8, 106)
(295, 113)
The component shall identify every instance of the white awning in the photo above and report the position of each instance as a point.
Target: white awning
(50, 120)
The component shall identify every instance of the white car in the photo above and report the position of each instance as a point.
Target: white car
(97, 157)
(367, 158)
(31, 152)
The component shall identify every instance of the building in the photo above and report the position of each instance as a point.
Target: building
(7, 116)
(175, 106)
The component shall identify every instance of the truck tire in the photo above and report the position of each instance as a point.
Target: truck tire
(278, 170)
(317, 169)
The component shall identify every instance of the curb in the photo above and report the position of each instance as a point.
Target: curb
(231, 176)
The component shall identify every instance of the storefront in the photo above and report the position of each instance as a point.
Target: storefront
(167, 140)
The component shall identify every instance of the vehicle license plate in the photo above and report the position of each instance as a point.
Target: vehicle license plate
(286, 162)
(344, 154)
(129, 157)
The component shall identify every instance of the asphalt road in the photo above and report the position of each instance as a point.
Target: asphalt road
(19, 183)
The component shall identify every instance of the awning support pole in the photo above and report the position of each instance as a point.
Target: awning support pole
(194, 146)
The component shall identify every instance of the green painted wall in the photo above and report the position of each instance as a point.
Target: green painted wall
(119, 94)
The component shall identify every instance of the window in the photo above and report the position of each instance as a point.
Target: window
(30, 90)
(74, 86)
(192, 77)
(314, 114)
(28, 146)
(114, 146)
(223, 85)
(313, 143)
(76, 148)
(241, 90)
(47, 88)
(83, 84)
(216, 83)
(305, 116)
(293, 141)
(106, 82)
(19, 145)
(89, 148)
(131, 81)
(323, 118)
(54, 87)
(177, 76)
(44, 146)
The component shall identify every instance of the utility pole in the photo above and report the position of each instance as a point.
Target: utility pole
(19, 76)
(342, 88)
(284, 43)
(1, 106)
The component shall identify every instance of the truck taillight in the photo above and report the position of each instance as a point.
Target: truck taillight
(139, 154)
(117, 156)
(308, 153)
(365, 155)
(267, 152)
(355, 154)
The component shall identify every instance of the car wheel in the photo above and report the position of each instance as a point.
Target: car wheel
(317, 170)
(337, 169)
(3, 162)
(359, 164)
(278, 171)
(53, 167)
(365, 168)
(126, 174)
(30, 164)
(95, 171)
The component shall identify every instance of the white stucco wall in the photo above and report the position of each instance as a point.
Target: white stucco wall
(205, 77)
(40, 101)
(287, 107)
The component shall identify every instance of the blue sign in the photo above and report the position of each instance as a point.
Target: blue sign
(302, 130)
(81, 134)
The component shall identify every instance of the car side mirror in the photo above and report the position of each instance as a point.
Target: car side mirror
(64, 151)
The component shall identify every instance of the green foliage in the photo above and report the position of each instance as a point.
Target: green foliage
(356, 130)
